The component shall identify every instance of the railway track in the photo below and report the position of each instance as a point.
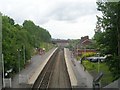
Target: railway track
(47, 76)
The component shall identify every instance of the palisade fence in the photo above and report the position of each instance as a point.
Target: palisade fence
(7, 83)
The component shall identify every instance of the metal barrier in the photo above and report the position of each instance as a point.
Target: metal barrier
(7, 82)
(96, 83)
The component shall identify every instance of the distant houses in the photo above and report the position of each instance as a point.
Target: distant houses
(61, 42)
(84, 46)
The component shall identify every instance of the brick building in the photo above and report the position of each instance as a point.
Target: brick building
(82, 46)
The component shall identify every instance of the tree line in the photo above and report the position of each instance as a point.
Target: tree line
(107, 35)
(20, 41)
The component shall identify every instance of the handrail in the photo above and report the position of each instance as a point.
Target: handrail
(97, 79)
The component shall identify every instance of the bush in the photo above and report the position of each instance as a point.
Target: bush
(87, 55)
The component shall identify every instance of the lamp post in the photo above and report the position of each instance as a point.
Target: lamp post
(3, 70)
(85, 52)
(98, 65)
(77, 50)
(83, 46)
(18, 50)
(98, 62)
(24, 53)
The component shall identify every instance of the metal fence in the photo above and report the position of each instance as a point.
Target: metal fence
(7, 82)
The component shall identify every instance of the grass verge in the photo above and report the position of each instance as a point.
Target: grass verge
(93, 70)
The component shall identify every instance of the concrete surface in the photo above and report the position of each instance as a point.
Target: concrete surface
(115, 84)
(72, 76)
(39, 69)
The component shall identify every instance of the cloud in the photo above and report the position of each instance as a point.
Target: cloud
(61, 29)
(42, 11)
(72, 11)
(62, 18)
(26, 9)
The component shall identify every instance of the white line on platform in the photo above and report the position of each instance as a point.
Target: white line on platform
(39, 69)
(72, 76)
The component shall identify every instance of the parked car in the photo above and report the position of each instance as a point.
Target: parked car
(96, 59)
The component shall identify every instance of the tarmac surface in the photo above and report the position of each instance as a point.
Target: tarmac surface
(29, 70)
(84, 79)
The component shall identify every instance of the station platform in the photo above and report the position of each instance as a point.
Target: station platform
(73, 79)
(79, 77)
(39, 69)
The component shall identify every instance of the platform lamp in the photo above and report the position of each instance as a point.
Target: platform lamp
(98, 54)
(23, 47)
(18, 50)
(83, 46)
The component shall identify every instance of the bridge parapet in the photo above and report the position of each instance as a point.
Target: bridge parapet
(115, 84)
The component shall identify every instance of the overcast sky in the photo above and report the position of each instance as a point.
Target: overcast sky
(64, 19)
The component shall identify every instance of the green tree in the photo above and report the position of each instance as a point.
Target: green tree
(108, 38)
(15, 37)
